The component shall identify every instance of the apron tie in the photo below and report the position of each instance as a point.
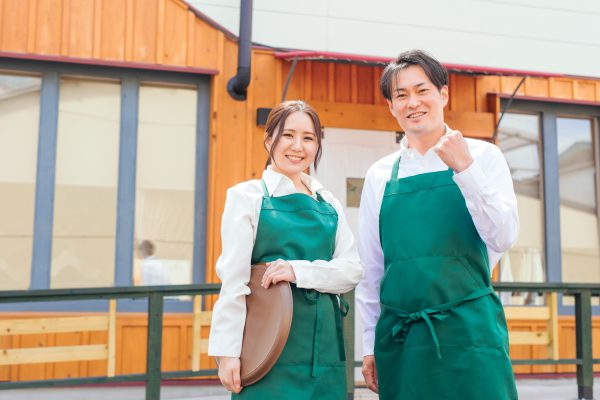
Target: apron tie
(314, 297)
(405, 319)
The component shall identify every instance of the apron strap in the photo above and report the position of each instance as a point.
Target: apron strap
(395, 167)
(340, 310)
(314, 297)
(264, 188)
(405, 319)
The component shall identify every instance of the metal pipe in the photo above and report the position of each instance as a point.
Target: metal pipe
(237, 87)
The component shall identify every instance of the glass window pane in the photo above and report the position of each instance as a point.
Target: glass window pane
(19, 119)
(164, 215)
(83, 246)
(519, 140)
(578, 213)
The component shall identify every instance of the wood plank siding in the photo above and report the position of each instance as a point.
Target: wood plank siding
(169, 33)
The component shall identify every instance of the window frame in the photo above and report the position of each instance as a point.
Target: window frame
(130, 80)
(549, 112)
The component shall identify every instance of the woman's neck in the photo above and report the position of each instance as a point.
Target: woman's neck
(296, 180)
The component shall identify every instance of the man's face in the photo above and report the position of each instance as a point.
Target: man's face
(417, 104)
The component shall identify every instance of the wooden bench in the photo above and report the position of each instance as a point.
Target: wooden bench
(27, 326)
(547, 313)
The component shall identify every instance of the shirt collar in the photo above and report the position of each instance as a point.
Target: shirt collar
(407, 151)
(279, 184)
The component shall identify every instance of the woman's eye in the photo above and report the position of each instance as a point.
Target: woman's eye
(309, 138)
(287, 134)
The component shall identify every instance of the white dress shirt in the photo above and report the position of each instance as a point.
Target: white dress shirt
(238, 233)
(489, 195)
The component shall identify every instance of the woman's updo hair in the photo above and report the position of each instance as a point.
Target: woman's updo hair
(276, 123)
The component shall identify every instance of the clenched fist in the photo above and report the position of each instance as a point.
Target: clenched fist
(454, 151)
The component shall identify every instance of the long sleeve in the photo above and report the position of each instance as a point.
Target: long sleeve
(490, 198)
(233, 268)
(343, 272)
(371, 255)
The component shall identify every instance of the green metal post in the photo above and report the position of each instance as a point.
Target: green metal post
(583, 332)
(349, 345)
(154, 352)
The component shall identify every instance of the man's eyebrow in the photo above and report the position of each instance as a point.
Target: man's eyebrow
(417, 85)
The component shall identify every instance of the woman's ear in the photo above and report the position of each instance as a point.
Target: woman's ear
(268, 142)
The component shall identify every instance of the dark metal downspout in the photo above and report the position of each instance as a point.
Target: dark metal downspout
(237, 87)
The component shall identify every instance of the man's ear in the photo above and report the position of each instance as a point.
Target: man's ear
(391, 107)
(445, 95)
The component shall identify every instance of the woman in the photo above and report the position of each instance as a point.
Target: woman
(288, 222)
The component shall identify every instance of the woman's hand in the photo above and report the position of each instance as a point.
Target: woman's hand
(229, 373)
(278, 271)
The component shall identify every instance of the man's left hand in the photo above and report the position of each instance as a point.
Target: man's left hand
(278, 271)
(454, 151)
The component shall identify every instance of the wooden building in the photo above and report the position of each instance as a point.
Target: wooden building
(116, 127)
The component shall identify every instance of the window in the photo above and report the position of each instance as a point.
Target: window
(578, 210)
(19, 120)
(519, 140)
(83, 244)
(164, 216)
(552, 153)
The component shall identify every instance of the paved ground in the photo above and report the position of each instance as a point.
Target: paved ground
(529, 389)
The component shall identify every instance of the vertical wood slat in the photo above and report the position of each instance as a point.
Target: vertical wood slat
(32, 25)
(97, 36)
(354, 83)
(66, 24)
(112, 337)
(191, 38)
(331, 82)
(129, 30)
(552, 304)
(160, 32)
(196, 333)
(308, 80)
(2, 23)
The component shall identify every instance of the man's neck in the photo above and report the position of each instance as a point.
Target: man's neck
(423, 141)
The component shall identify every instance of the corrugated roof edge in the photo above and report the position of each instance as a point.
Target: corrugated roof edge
(375, 60)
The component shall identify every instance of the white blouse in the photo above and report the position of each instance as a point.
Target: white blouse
(238, 233)
(489, 196)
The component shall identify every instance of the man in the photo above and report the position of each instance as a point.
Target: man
(434, 218)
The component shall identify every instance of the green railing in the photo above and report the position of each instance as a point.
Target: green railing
(155, 296)
(582, 293)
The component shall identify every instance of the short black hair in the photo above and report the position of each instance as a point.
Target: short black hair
(435, 71)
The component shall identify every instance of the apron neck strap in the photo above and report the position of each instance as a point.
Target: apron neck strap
(394, 174)
(264, 188)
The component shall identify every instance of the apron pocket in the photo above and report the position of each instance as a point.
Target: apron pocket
(414, 284)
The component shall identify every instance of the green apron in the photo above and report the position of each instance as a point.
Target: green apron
(442, 332)
(312, 364)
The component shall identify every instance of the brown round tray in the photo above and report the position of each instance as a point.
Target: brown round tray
(268, 322)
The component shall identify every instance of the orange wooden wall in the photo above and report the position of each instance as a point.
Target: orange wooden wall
(168, 33)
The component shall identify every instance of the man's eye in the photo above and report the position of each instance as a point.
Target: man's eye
(423, 90)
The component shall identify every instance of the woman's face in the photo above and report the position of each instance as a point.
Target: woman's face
(297, 147)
